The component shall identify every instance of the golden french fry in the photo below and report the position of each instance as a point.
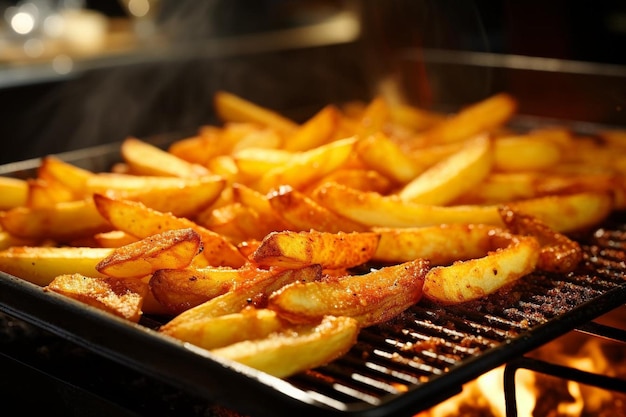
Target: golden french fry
(306, 347)
(473, 120)
(216, 332)
(568, 213)
(371, 298)
(199, 149)
(144, 158)
(260, 204)
(120, 296)
(46, 193)
(181, 289)
(453, 176)
(253, 162)
(374, 209)
(232, 108)
(510, 258)
(41, 264)
(360, 179)
(123, 215)
(236, 221)
(374, 118)
(414, 118)
(306, 167)
(524, 153)
(503, 187)
(440, 244)
(172, 249)
(331, 250)
(306, 214)
(13, 192)
(61, 222)
(315, 132)
(53, 169)
(252, 291)
(383, 155)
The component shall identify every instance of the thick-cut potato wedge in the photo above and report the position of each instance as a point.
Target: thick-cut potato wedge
(185, 201)
(46, 193)
(259, 202)
(123, 215)
(370, 298)
(306, 347)
(374, 209)
(232, 108)
(306, 167)
(13, 192)
(440, 244)
(414, 118)
(383, 155)
(41, 264)
(253, 162)
(503, 187)
(199, 149)
(144, 158)
(172, 249)
(216, 332)
(478, 118)
(252, 291)
(53, 169)
(120, 296)
(115, 182)
(235, 221)
(181, 289)
(568, 213)
(306, 214)
(511, 258)
(317, 131)
(62, 222)
(524, 153)
(374, 118)
(289, 249)
(453, 176)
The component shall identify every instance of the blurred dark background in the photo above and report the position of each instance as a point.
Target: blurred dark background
(164, 83)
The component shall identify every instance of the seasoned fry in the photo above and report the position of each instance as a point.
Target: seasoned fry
(120, 296)
(144, 158)
(122, 214)
(510, 258)
(13, 192)
(453, 176)
(173, 249)
(370, 298)
(331, 250)
(306, 347)
(40, 264)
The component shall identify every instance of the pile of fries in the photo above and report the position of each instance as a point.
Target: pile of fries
(245, 237)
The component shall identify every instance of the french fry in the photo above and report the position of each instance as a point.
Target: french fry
(41, 264)
(235, 221)
(307, 347)
(440, 244)
(306, 214)
(173, 249)
(62, 222)
(371, 298)
(360, 179)
(144, 158)
(331, 250)
(381, 154)
(181, 289)
(122, 215)
(53, 169)
(232, 108)
(306, 167)
(216, 332)
(13, 192)
(453, 176)
(253, 162)
(374, 209)
(250, 292)
(120, 296)
(510, 258)
(524, 153)
(113, 239)
(315, 132)
(473, 120)
(46, 193)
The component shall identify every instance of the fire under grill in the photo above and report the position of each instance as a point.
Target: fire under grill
(404, 366)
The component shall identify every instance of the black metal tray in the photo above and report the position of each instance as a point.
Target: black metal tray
(399, 368)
